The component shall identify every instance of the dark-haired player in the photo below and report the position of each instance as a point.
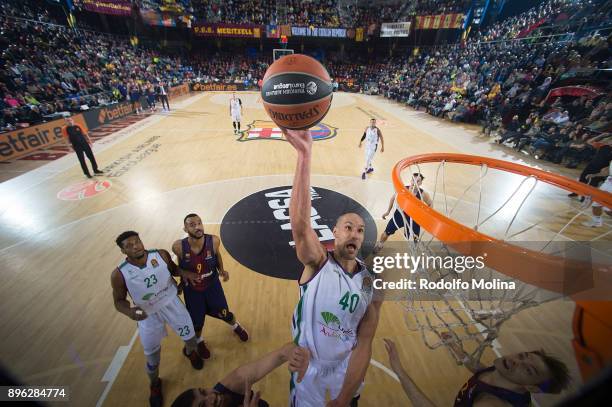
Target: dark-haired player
(399, 217)
(337, 315)
(235, 112)
(199, 253)
(508, 383)
(231, 390)
(147, 276)
(372, 135)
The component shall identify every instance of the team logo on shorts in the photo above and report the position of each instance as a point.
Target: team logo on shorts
(83, 190)
(267, 130)
(154, 263)
(256, 231)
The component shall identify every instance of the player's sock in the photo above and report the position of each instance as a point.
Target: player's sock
(238, 126)
(241, 332)
(595, 222)
(152, 372)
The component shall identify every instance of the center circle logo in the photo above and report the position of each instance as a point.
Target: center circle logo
(256, 231)
(311, 88)
(83, 190)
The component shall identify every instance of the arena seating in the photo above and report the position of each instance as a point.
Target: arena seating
(497, 77)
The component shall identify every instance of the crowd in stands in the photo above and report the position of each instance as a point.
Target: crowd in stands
(365, 15)
(553, 15)
(229, 68)
(235, 11)
(503, 86)
(320, 13)
(47, 69)
(432, 7)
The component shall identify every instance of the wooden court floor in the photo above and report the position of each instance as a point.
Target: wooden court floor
(56, 255)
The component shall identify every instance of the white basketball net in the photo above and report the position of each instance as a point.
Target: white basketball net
(462, 318)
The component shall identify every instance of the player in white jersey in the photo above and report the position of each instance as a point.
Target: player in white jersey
(146, 275)
(597, 209)
(235, 112)
(371, 135)
(335, 318)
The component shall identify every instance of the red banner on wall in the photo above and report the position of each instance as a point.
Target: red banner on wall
(439, 21)
(227, 30)
(114, 7)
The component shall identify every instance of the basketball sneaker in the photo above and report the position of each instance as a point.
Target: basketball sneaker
(203, 351)
(156, 399)
(196, 362)
(594, 223)
(363, 175)
(370, 170)
(242, 333)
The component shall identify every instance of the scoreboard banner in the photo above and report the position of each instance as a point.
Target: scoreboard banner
(318, 32)
(439, 21)
(227, 30)
(395, 29)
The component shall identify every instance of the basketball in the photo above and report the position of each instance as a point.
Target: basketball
(296, 91)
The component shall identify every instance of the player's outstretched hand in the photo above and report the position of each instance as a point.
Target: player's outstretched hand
(394, 359)
(224, 275)
(385, 215)
(138, 314)
(301, 140)
(298, 362)
(190, 278)
(248, 401)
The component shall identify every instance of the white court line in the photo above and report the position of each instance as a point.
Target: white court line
(384, 369)
(115, 366)
(33, 178)
(122, 352)
(157, 195)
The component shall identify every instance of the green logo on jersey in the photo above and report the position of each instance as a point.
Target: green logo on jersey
(330, 318)
(147, 297)
(331, 327)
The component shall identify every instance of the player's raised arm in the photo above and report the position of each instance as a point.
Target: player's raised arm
(308, 248)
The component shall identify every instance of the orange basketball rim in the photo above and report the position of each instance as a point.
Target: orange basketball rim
(592, 319)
